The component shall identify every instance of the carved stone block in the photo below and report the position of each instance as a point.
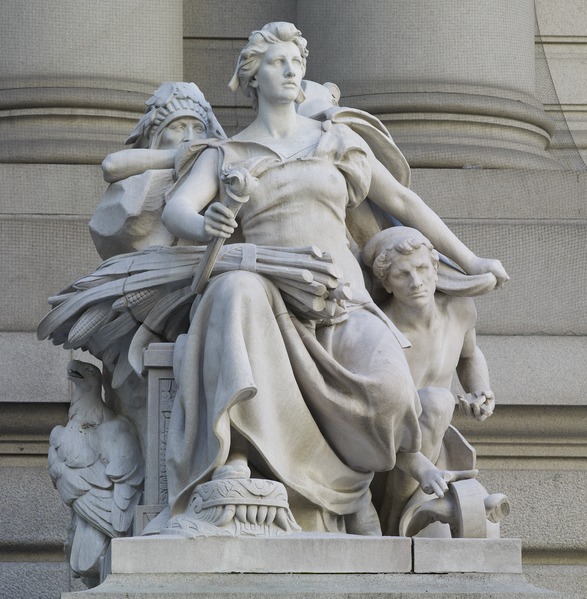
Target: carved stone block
(236, 507)
(161, 393)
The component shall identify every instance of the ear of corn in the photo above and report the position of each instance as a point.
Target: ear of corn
(88, 323)
(133, 298)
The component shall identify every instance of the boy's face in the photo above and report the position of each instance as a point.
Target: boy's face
(412, 278)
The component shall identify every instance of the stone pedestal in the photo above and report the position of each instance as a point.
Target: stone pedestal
(312, 565)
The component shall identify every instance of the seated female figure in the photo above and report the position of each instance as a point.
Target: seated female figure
(316, 403)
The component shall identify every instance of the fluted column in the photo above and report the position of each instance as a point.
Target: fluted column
(452, 80)
(74, 74)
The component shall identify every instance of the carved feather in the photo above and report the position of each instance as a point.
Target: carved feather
(88, 546)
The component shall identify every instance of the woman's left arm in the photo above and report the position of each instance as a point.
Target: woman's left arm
(412, 211)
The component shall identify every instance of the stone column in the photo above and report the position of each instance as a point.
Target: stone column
(74, 75)
(452, 80)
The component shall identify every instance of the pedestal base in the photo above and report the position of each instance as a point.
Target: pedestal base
(314, 565)
(321, 586)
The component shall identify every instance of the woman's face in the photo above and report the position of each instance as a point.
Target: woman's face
(184, 129)
(280, 73)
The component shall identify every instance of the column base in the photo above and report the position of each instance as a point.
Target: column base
(437, 129)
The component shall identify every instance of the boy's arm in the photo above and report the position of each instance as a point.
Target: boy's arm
(431, 479)
(473, 374)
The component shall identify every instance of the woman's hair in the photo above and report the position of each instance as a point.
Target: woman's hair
(381, 249)
(251, 55)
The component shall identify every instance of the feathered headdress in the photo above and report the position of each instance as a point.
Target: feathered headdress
(173, 100)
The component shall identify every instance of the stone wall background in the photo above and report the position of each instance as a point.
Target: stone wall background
(73, 79)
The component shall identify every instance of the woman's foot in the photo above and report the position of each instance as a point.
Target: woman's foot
(233, 470)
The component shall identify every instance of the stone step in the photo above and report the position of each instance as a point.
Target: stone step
(321, 586)
(314, 565)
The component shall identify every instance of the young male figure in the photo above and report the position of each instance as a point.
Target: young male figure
(441, 329)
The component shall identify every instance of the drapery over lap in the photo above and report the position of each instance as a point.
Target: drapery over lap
(324, 406)
(321, 425)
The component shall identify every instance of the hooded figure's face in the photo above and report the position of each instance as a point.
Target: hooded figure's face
(180, 130)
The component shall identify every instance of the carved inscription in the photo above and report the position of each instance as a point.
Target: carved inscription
(167, 391)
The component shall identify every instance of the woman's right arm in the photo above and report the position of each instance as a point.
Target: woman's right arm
(181, 215)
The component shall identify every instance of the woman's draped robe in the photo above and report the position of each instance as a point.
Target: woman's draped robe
(324, 405)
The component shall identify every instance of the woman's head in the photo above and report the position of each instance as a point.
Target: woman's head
(174, 107)
(252, 54)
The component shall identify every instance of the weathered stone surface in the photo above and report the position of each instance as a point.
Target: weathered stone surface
(311, 553)
(537, 370)
(101, 479)
(543, 370)
(489, 194)
(31, 371)
(572, 579)
(536, 224)
(30, 282)
(532, 304)
(38, 506)
(38, 580)
(467, 555)
(319, 586)
(549, 516)
(60, 105)
(480, 112)
(562, 25)
(73, 189)
(245, 16)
